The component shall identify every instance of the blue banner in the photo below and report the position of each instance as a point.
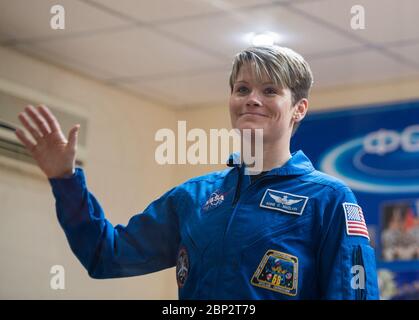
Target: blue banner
(375, 151)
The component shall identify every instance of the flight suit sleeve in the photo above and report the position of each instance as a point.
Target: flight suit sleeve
(346, 261)
(148, 243)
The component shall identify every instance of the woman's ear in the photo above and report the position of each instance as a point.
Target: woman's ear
(300, 110)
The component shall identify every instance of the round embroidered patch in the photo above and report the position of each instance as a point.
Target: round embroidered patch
(182, 267)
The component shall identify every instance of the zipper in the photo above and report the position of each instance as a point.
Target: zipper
(238, 187)
(237, 197)
(234, 204)
(237, 193)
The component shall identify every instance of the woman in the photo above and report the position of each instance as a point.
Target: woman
(290, 232)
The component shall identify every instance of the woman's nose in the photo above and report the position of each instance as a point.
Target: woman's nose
(253, 100)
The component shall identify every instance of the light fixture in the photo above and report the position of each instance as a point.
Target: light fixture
(262, 39)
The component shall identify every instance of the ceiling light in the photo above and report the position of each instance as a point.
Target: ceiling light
(263, 39)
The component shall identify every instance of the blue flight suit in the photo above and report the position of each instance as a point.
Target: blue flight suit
(294, 233)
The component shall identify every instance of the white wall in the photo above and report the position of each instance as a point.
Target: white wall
(119, 166)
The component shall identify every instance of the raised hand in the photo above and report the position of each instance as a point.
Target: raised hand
(54, 154)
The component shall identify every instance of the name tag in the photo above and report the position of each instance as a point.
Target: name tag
(283, 201)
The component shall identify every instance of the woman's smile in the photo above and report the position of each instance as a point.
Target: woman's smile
(254, 114)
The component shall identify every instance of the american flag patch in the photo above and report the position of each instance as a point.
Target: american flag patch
(355, 222)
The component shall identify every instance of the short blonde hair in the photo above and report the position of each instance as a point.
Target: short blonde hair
(283, 66)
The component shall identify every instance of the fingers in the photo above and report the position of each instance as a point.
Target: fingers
(50, 118)
(38, 120)
(22, 137)
(25, 121)
(72, 136)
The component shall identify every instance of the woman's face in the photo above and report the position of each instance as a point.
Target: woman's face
(261, 105)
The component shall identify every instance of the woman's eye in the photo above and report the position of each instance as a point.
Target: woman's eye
(270, 91)
(242, 89)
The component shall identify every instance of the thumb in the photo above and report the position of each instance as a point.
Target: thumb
(72, 136)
